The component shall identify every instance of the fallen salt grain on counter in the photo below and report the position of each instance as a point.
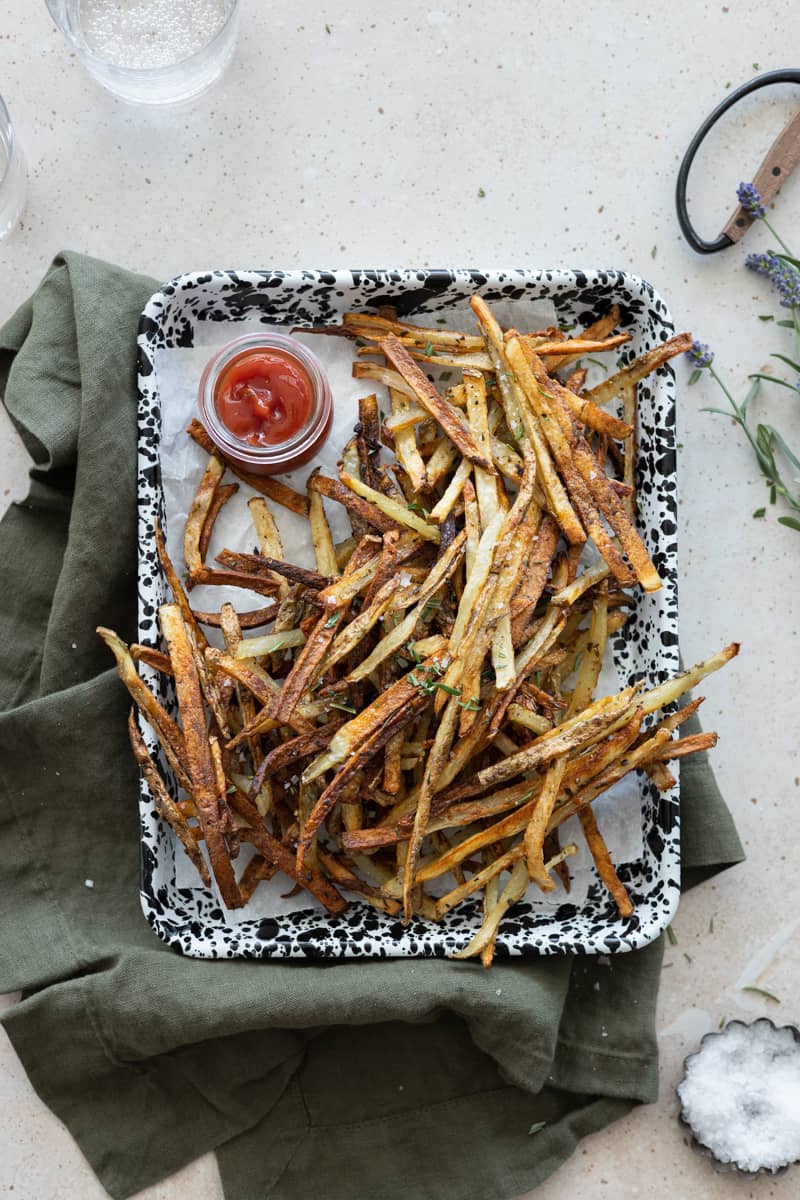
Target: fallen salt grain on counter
(741, 1095)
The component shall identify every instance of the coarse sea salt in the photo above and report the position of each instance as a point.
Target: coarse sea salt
(741, 1095)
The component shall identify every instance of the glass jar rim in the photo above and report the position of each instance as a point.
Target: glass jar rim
(7, 137)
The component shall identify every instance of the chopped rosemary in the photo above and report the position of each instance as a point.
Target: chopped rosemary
(344, 707)
(673, 941)
(331, 621)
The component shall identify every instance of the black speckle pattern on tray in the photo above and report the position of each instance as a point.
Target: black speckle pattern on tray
(192, 920)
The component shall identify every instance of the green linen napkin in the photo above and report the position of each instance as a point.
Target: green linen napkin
(414, 1077)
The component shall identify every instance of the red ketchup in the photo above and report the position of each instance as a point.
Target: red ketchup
(266, 402)
(264, 397)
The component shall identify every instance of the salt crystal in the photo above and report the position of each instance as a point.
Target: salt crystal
(741, 1095)
(150, 33)
(596, 985)
(74, 645)
(89, 883)
(499, 992)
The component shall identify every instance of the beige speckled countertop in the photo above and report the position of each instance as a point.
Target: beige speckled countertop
(373, 144)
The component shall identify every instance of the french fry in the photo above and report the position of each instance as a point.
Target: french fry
(166, 806)
(198, 514)
(221, 497)
(321, 537)
(356, 505)
(396, 512)
(446, 417)
(639, 369)
(254, 619)
(272, 488)
(199, 761)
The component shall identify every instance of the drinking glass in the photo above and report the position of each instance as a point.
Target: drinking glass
(12, 175)
(150, 51)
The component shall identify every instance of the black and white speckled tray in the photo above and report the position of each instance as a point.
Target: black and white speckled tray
(201, 309)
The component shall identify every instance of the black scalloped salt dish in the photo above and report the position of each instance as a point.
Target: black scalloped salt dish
(740, 1098)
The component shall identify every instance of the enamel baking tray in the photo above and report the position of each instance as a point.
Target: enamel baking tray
(181, 325)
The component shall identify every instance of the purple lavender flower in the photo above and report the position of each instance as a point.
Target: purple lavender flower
(699, 355)
(750, 200)
(782, 275)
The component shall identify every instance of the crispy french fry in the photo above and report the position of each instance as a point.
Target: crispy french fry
(198, 514)
(221, 497)
(270, 487)
(321, 537)
(199, 761)
(446, 417)
(166, 806)
(640, 368)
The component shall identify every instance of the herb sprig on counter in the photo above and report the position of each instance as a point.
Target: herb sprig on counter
(775, 458)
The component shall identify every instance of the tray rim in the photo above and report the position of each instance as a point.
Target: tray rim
(352, 279)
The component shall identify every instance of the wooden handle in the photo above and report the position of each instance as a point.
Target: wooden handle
(781, 159)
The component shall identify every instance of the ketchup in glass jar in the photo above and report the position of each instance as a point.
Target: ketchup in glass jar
(266, 402)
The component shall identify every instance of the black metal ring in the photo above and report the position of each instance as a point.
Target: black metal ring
(784, 75)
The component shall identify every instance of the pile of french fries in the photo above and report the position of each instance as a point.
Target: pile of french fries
(420, 719)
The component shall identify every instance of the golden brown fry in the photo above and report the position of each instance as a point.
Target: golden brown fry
(536, 828)
(238, 579)
(543, 400)
(363, 748)
(313, 881)
(642, 366)
(381, 374)
(221, 497)
(408, 454)
(198, 514)
(268, 486)
(438, 754)
(448, 419)
(568, 736)
(165, 728)
(273, 570)
(166, 806)
(398, 513)
(321, 537)
(152, 658)
(602, 860)
(254, 619)
(355, 505)
(532, 582)
(198, 752)
(683, 746)
(177, 589)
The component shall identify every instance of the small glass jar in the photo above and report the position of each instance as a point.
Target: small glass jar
(281, 456)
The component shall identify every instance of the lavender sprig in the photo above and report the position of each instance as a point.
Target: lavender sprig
(749, 197)
(766, 440)
(782, 275)
(783, 272)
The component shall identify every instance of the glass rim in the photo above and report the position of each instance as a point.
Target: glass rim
(6, 135)
(152, 72)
